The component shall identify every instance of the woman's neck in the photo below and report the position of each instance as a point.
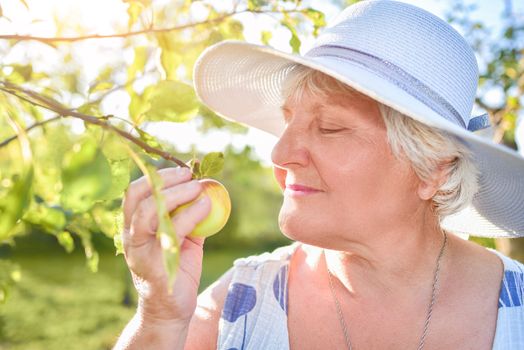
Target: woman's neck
(392, 261)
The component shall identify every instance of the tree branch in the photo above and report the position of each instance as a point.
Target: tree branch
(55, 106)
(49, 40)
(7, 141)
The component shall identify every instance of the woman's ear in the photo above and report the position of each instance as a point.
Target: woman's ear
(427, 189)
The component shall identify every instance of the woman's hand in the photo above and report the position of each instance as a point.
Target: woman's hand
(143, 252)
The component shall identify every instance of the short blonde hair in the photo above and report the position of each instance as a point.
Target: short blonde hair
(425, 147)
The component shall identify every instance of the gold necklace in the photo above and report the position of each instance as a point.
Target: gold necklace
(434, 292)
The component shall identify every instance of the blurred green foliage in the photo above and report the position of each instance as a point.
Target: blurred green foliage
(65, 164)
(58, 303)
(500, 54)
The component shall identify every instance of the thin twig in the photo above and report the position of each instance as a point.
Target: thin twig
(7, 141)
(57, 107)
(48, 40)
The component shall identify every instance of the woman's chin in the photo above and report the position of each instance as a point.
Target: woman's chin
(297, 229)
(311, 239)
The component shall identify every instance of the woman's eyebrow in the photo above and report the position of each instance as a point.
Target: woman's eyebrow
(286, 111)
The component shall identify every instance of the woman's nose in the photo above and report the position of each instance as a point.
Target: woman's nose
(292, 148)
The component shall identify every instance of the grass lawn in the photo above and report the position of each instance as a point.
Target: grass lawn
(59, 304)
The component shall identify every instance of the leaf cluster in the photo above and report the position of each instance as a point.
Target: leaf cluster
(67, 157)
(500, 51)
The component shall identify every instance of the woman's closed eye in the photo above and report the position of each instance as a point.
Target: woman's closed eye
(330, 131)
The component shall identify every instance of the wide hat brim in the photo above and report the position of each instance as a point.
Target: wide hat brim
(242, 82)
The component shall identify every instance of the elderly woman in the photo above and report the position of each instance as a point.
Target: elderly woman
(381, 174)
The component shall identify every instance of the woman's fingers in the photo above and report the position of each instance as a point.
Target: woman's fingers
(186, 220)
(144, 222)
(140, 189)
(143, 252)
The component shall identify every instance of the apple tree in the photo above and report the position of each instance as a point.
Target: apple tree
(66, 155)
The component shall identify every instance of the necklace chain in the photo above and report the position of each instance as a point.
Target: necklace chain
(434, 292)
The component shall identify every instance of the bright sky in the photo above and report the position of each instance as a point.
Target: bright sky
(102, 16)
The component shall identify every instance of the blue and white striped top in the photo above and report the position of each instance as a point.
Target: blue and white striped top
(254, 316)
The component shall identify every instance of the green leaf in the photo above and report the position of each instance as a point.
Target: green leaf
(114, 148)
(294, 42)
(102, 81)
(92, 258)
(66, 241)
(170, 54)
(141, 56)
(18, 197)
(89, 109)
(134, 11)
(119, 244)
(317, 17)
(49, 219)
(170, 61)
(265, 36)
(256, 4)
(150, 140)
(117, 238)
(251, 5)
(100, 86)
(513, 102)
(86, 176)
(232, 29)
(120, 178)
(137, 107)
(165, 232)
(105, 219)
(212, 164)
(211, 121)
(172, 101)
(139, 62)
(21, 73)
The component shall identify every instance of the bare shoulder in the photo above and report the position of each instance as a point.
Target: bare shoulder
(476, 266)
(203, 329)
(475, 256)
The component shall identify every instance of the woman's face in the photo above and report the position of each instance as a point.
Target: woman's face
(338, 147)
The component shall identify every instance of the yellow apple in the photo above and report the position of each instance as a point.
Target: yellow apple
(220, 209)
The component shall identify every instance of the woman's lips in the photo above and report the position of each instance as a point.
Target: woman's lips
(295, 189)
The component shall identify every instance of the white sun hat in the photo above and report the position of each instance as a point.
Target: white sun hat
(401, 56)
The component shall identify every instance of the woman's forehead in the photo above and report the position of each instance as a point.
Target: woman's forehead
(316, 103)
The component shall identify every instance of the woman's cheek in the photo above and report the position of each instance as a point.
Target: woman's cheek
(280, 176)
